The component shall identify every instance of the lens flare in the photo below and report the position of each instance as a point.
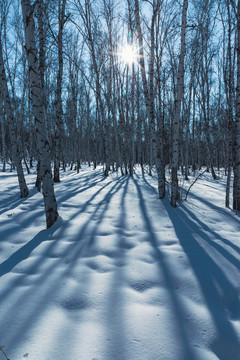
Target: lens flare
(128, 55)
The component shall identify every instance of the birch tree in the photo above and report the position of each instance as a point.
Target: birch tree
(228, 77)
(236, 157)
(39, 114)
(178, 101)
(91, 32)
(4, 94)
(59, 122)
(163, 25)
(3, 134)
(147, 97)
(42, 64)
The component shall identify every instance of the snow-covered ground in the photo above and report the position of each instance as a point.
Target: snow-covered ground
(121, 275)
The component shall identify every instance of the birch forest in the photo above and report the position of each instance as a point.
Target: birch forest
(120, 83)
(120, 179)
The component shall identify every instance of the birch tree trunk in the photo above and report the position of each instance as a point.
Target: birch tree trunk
(87, 16)
(132, 148)
(236, 160)
(39, 114)
(160, 159)
(30, 124)
(228, 66)
(178, 101)
(3, 134)
(42, 65)
(61, 21)
(191, 100)
(12, 130)
(149, 102)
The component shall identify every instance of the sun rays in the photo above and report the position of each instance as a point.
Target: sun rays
(127, 54)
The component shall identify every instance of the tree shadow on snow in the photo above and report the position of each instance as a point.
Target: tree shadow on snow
(49, 276)
(15, 200)
(222, 210)
(117, 341)
(95, 219)
(188, 352)
(222, 298)
(220, 295)
(230, 218)
(24, 252)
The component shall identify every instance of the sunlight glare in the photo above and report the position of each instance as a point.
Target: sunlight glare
(128, 55)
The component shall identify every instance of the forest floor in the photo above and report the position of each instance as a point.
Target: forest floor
(121, 275)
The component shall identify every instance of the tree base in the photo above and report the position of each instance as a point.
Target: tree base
(51, 217)
(24, 192)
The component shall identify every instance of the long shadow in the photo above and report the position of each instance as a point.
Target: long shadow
(163, 267)
(83, 249)
(60, 199)
(89, 202)
(116, 346)
(44, 235)
(49, 273)
(206, 228)
(220, 295)
(31, 296)
(24, 252)
(102, 206)
(13, 201)
(222, 210)
(20, 223)
(77, 190)
(122, 218)
(144, 178)
(36, 241)
(203, 229)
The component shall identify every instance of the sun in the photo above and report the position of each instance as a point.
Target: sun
(128, 55)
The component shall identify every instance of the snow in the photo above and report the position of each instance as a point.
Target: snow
(121, 275)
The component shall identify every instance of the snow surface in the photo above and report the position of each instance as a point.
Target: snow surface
(121, 275)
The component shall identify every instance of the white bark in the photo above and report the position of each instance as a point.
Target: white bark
(3, 135)
(59, 126)
(236, 160)
(12, 130)
(228, 73)
(39, 114)
(178, 101)
(87, 16)
(148, 90)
